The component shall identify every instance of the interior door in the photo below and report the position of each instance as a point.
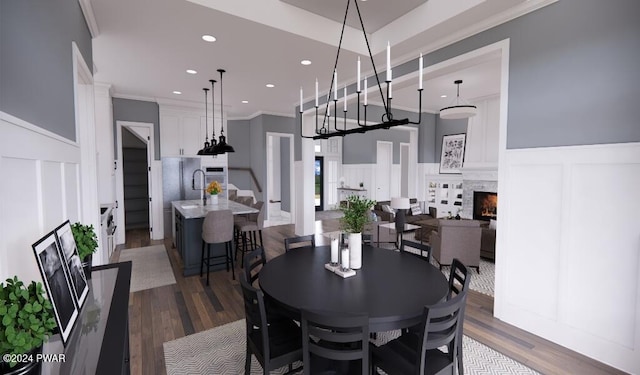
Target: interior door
(319, 183)
(384, 158)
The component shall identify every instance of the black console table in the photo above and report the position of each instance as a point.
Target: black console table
(99, 341)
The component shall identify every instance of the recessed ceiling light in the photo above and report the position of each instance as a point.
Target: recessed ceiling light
(245, 102)
(270, 85)
(443, 96)
(209, 38)
(178, 92)
(191, 71)
(305, 62)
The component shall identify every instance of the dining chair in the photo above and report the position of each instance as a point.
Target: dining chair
(422, 353)
(300, 241)
(253, 263)
(335, 344)
(421, 248)
(248, 229)
(217, 227)
(459, 280)
(276, 344)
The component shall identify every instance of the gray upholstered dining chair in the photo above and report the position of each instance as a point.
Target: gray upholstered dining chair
(247, 229)
(217, 227)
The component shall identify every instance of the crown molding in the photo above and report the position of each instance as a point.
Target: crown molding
(260, 113)
(89, 17)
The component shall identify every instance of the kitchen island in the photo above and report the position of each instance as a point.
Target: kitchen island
(187, 224)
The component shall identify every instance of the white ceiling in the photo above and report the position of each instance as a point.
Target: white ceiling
(144, 48)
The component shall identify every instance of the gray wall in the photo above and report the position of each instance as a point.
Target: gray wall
(427, 139)
(248, 137)
(36, 67)
(238, 132)
(446, 127)
(362, 148)
(573, 73)
(138, 111)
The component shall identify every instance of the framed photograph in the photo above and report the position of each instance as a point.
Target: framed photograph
(56, 282)
(452, 155)
(72, 261)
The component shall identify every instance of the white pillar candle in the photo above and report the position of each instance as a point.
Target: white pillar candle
(334, 250)
(316, 92)
(300, 98)
(335, 85)
(345, 98)
(420, 63)
(358, 90)
(345, 257)
(365, 90)
(388, 61)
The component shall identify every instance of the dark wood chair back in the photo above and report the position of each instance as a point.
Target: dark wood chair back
(253, 263)
(424, 249)
(300, 241)
(335, 343)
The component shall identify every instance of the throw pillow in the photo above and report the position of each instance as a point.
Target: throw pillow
(387, 208)
(415, 209)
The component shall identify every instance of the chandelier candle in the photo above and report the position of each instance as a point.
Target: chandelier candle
(358, 90)
(301, 98)
(388, 62)
(365, 91)
(345, 98)
(419, 73)
(316, 93)
(335, 85)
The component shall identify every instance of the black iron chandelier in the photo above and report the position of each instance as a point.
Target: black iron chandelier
(323, 127)
(221, 146)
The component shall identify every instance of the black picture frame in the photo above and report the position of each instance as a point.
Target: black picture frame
(452, 154)
(56, 281)
(78, 280)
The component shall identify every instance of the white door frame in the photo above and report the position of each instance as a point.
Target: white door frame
(120, 230)
(291, 175)
(84, 104)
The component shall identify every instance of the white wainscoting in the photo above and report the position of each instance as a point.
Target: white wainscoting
(40, 190)
(568, 251)
(367, 173)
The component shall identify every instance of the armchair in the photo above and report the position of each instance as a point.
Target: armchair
(457, 239)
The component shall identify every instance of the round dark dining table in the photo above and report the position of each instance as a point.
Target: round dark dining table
(391, 287)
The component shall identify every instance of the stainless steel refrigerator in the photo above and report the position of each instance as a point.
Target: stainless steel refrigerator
(176, 185)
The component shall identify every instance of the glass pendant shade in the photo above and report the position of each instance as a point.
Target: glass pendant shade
(459, 109)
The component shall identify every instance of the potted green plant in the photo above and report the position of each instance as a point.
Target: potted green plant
(356, 216)
(87, 243)
(27, 321)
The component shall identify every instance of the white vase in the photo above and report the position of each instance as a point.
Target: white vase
(355, 251)
(213, 199)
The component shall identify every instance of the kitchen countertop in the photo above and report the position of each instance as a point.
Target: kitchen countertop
(193, 209)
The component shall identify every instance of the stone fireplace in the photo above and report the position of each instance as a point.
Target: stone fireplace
(485, 205)
(477, 179)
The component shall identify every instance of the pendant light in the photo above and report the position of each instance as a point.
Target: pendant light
(222, 147)
(211, 149)
(460, 108)
(206, 146)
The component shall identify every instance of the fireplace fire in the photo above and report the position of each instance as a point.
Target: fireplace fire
(485, 205)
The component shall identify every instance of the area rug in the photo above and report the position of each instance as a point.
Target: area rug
(150, 269)
(221, 351)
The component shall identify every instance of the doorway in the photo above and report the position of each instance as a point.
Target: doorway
(134, 182)
(280, 184)
(319, 183)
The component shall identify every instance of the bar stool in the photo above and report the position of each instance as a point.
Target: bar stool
(217, 227)
(253, 224)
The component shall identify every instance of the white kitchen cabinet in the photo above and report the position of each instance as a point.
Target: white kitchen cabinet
(181, 133)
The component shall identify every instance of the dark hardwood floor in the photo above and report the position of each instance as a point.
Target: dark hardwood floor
(173, 311)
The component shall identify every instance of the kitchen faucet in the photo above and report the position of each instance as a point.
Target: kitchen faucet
(203, 197)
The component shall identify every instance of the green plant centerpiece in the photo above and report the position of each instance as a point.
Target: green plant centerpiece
(356, 213)
(87, 244)
(27, 318)
(356, 216)
(86, 239)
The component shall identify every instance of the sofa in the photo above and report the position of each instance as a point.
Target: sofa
(410, 218)
(457, 239)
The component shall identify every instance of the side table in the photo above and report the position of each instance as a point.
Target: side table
(399, 234)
